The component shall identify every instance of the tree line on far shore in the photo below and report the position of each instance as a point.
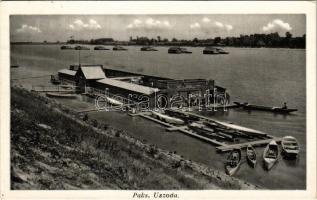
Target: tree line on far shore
(271, 40)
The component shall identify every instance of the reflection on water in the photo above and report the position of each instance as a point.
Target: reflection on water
(258, 76)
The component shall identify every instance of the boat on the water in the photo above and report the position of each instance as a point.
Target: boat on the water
(100, 48)
(174, 50)
(221, 51)
(178, 50)
(66, 47)
(233, 162)
(184, 50)
(290, 147)
(14, 66)
(119, 48)
(61, 95)
(251, 156)
(270, 155)
(213, 50)
(148, 48)
(281, 110)
(166, 118)
(81, 48)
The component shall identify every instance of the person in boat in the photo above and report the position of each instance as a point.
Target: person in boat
(284, 106)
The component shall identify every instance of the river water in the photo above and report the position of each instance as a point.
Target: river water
(259, 76)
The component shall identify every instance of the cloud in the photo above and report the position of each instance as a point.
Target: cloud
(275, 25)
(219, 24)
(195, 25)
(206, 20)
(80, 25)
(28, 29)
(208, 26)
(149, 24)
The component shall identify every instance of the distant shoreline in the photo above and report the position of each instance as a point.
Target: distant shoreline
(136, 45)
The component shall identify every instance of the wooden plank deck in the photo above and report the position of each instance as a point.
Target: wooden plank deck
(182, 129)
(244, 145)
(218, 122)
(53, 90)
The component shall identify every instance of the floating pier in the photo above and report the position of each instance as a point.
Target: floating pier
(183, 129)
(221, 146)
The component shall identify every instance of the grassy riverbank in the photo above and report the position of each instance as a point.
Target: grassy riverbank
(52, 147)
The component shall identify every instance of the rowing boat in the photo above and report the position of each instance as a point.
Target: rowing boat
(290, 147)
(280, 110)
(251, 156)
(233, 162)
(270, 155)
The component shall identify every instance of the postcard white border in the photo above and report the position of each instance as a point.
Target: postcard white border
(156, 7)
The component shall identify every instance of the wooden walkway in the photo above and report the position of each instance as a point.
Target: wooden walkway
(244, 145)
(183, 129)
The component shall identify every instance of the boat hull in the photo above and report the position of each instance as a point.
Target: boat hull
(231, 169)
(251, 156)
(270, 160)
(290, 147)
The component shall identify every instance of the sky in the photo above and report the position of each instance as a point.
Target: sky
(53, 28)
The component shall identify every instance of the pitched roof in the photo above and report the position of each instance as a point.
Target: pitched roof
(93, 72)
(129, 86)
(67, 71)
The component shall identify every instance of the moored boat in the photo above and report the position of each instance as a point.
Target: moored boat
(66, 47)
(210, 50)
(175, 50)
(100, 48)
(290, 147)
(233, 162)
(148, 48)
(270, 155)
(251, 156)
(184, 50)
(14, 66)
(281, 110)
(119, 48)
(221, 51)
(81, 48)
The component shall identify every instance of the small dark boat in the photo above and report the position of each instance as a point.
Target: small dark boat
(270, 155)
(221, 51)
(81, 48)
(280, 110)
(210, 50)
(290, 147)
(175, 50)
(148, 48)
(14, 66)
(178, 50)
(66, 47)
(101, 48)
(184, 50)
(213, 50)
(233, 162)
(251, 156)
(119, 48)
